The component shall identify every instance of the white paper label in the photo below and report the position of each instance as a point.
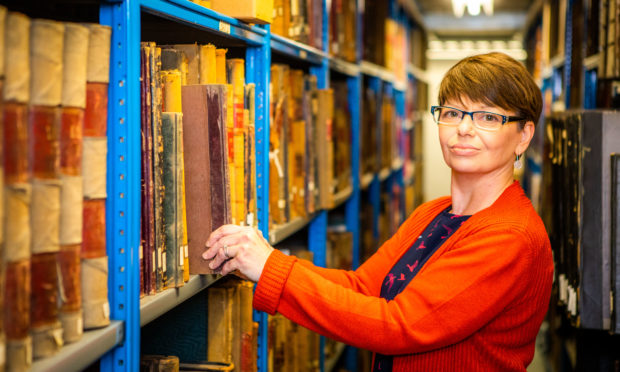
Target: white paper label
(224, 27)
(159, 262)
(164, 266)
(153, 261)
(186, 251)
(141, 252)
(181, 256)
(106, 309)
(80, 324)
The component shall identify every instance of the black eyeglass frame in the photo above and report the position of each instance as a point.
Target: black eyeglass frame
(505, 119)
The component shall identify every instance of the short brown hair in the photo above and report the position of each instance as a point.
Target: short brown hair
(494, 79)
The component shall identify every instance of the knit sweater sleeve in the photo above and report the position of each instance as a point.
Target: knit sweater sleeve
(457, 292)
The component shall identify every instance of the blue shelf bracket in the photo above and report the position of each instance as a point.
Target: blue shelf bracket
(123, 181)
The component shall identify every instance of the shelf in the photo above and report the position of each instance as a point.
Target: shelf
(592, 62)
(417, 73)
(377, 71)
(344, 67)
(295, 49)
(342, 196)
(79, 355)
(331, 362)
(184, 11)
(281, 232)
(384, 174)
(152, 307)
(366, 180)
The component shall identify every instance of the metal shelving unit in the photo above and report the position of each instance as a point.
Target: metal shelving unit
(281, 232)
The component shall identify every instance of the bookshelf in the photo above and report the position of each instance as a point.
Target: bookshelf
(117, 346)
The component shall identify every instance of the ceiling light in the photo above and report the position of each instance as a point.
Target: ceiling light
(473, 7)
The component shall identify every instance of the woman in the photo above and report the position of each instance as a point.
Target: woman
(465, 282)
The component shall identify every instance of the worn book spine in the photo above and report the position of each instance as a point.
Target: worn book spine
(17, 233)
(325, 148)
(191, 56)
(183, 270)
(198, 184)
(220, 324)
(172, 220)
(46, 56)
(94, 270)
(207, 64)
(148, 211)
(309, 100)
(247, 328)
(3, 12)
(144, 156)
(250, 157)
(236, 77)
(220, 66)
(158, 190)
(71, 194)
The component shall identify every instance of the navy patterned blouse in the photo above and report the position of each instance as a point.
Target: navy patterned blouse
(438, 231)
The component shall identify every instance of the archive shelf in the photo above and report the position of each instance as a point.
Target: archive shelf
(297, 50)
(281, 232)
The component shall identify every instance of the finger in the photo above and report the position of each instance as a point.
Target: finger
(221, 257)
(221, 232)
(229, 266)
(219, 244)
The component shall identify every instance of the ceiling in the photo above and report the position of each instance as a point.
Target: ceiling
(507, 22)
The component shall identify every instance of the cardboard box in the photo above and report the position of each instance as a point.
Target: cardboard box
(251, 11)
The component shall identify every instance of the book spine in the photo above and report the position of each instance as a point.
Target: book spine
(183, 270)
(158, 190)
(3, 11)
(46, 53)
(207, 63)
(170, 210)
(219, 324)
(95, 302)
(236, 76)
(17, 233)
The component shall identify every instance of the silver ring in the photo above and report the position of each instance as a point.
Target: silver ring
(226, 251)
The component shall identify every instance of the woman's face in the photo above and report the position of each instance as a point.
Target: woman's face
(469, 150)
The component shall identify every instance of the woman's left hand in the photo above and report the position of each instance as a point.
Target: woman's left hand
(242, 248)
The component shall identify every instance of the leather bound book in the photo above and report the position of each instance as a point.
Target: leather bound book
(148, 216)
(220, 324)
(95, 292)
(71, 301)
(44, 125)
(46, 329)
(17, 316)
(71, 122)
(172, 216)
(94, 229)
(206, 167)
(207, 64)
(95, 119)
(159, 363)
(325, 148)
(15, 142)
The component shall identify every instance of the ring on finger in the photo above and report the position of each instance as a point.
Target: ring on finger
(226, 251)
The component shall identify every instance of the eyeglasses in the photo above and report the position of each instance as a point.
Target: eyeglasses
(482, 119)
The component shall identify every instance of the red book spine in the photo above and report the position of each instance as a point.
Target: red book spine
(44, 284)
(96, 114)
(17, 303)
(93, 238)
(44, 130)
(69, 262)
(15, 143)
(72, 119)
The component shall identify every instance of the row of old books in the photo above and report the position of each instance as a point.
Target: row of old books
(381, 132)
(343, 30)
(198, 157)
(580, 211)
(306, 168)
(53, 262)
(299, 20)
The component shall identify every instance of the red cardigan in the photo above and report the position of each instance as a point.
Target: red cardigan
(476, 305)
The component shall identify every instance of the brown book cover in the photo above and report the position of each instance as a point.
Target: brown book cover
(220, 324)
(45, 327)
(16, 141)
(148, 216)
(206, 167)
(325, 148)
(93, 238)
(71, 301)
(17, 315)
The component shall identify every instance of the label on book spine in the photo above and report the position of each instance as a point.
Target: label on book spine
(71, 210)
(17, 56)
(94, 167)
(45, 216)
(17, 223)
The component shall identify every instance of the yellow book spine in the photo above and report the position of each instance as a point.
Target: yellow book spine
(230, 136)
(185, 252)
(171, 83)
(208, 69)
(220, 66)
(239, 143)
